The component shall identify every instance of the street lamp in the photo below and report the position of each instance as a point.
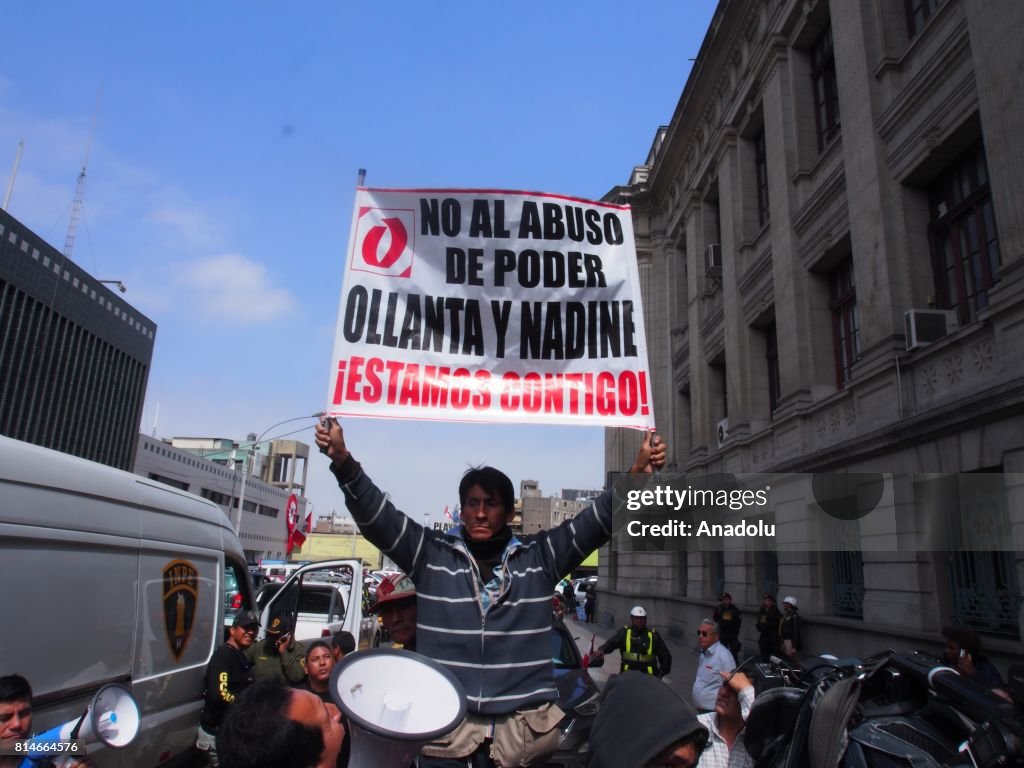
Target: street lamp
(118, 283)
(248, 456)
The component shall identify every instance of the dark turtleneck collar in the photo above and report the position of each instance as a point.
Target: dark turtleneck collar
(488, 553)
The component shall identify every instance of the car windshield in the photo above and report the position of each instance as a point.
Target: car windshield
(563, 649)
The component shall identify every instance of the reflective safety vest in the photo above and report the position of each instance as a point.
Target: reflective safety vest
(641, 662)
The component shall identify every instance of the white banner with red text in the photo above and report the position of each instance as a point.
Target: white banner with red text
(490, 306)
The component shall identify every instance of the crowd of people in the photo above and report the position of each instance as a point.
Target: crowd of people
(478, 601)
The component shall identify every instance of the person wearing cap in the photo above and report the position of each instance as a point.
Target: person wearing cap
(768, 620)
(644, 723)
(227, 675)
(279, 654)
(396, 605)
(712, 660)
(484, 598)
(789, 629)
(729, 620)
(640, 648)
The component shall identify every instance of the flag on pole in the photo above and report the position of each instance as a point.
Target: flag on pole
(294, 536)
(586, 656)
(447, 513)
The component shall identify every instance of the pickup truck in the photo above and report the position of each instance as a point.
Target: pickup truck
(320, 599)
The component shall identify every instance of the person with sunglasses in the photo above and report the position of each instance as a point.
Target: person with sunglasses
(713, 659)
(644, 723)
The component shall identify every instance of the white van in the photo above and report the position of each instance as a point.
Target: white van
(110, 577)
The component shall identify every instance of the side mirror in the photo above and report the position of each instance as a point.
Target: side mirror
(596, 663)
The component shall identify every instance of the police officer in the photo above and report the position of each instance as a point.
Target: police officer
(768, 620)
(227, 675)
(641, 649)
(729, 620)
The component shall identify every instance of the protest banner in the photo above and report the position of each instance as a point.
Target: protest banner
(490, 306)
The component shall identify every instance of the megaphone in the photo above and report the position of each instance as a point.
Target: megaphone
(111, 719)
(395, 701)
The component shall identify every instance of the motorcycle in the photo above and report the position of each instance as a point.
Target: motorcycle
(891, 710)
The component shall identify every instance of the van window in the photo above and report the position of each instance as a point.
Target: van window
(235, 598)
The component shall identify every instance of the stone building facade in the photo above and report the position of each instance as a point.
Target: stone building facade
(830, 167)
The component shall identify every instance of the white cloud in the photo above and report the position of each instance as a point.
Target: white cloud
(230, 286)
(192, 224)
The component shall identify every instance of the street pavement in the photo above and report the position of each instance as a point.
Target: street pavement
(684, 657)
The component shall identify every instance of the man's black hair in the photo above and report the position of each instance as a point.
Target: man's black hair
(257, 732)
(317, 644)
(15, 688)
(343, 640)
(493, 481)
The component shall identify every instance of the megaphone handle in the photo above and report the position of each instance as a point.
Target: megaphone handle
(78, 725)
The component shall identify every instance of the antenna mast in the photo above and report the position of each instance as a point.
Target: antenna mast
(14, 173)
(76, 205)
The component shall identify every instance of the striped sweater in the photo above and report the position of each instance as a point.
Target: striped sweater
(502, 653)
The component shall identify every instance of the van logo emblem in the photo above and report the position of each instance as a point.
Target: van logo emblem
(181, 597)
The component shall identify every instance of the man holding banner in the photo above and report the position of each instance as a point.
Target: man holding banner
(484, 598)
(488, 306)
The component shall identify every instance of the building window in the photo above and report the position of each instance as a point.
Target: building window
(761, 166)
(985, 592)
(826, 91)
(918, 12)
(965, 248)
(772, 360)
(768, 570)
(845, 321)
(847, 570)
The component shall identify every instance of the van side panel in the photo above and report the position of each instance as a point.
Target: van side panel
(72, 593)
(179, 628)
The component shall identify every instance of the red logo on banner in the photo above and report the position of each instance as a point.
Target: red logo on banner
(383, 241)
(371, 243)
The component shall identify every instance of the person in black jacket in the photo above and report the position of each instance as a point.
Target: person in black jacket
(644, 722)
(729, 620)
(641, 649)
(789, 629)
(227, 675)
(768, 620)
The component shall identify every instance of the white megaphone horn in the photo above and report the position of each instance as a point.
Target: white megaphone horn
(395, 701)
(111, 719)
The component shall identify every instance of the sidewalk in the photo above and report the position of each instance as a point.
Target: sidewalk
(684, 658)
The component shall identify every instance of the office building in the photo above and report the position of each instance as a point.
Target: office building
(74, 356)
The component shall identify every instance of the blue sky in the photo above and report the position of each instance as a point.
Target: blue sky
(220, 180)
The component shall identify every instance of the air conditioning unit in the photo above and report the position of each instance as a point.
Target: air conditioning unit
(723, 432)
(925, 326)
(713, 259)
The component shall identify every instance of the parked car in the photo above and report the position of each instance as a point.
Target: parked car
(580, 587)
(578, 696)
(258, 577)
(320, 599)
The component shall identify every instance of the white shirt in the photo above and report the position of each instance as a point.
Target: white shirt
(717, 754)
(710, 663)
